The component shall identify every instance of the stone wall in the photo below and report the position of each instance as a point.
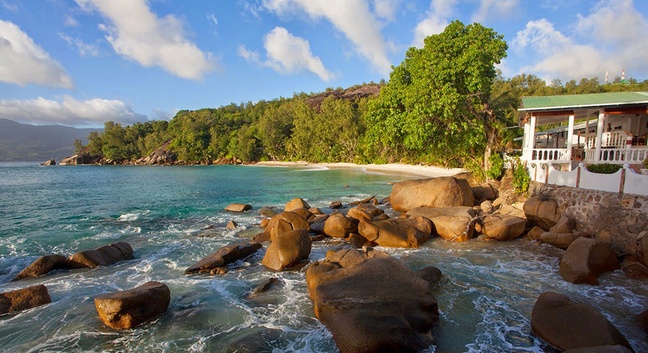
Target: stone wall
(620, 220)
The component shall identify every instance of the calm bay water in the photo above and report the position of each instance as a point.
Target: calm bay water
(485, 298)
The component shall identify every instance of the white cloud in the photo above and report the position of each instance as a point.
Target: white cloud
(613, 34)
(291, 54)
(386, 9)
(139, 35)
(69, 111)
(287, 54)
(498, 8)
(351, 17)
(84, 49)
(70, 21)
(24, 62)
(435, 22)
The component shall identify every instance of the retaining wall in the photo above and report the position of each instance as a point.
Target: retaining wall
(610, 217)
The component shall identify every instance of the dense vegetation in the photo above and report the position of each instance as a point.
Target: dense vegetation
(445, 104)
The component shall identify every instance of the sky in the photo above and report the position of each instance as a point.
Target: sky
(84, 62)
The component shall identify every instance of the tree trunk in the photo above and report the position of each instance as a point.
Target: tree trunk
(491, 139)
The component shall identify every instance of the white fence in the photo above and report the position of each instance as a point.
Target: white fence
(625, 180)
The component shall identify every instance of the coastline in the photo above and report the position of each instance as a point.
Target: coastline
(393, 168)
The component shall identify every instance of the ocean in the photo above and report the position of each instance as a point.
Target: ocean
(173, 217)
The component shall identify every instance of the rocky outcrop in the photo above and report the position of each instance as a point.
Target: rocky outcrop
(215, 262)
(103, 256)
(585, 260)
(23, 299)
(287, 249)
(339, 226)
(49, 162)
(542, 212)
(238, 207)
(281, 223)
(451, 223)
(559, 240)
(44, 265)
(397, 233)
(498, 227)
(77, 159)
(295, 204)
(394, 314)
(130, 308)
(600, 349)
(432, 192)
(484, 192)
(566, 324)
(161, 156)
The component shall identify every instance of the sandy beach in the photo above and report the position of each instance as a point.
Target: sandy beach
(418, 170)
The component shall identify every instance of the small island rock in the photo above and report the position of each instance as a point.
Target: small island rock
(133, 307)
(24, 298)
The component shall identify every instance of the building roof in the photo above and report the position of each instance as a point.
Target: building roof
(576, 101)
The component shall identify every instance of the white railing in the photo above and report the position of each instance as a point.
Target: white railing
(549, 155)
(608, 139)
(625, 180)
(618, 155)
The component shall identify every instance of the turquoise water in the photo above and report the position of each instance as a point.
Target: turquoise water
(485, 298)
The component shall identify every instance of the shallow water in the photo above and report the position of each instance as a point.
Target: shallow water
(485, 297)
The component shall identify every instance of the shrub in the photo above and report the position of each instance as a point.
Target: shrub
(496, 169)
(521, 177)
(645, 163)
(603, 168)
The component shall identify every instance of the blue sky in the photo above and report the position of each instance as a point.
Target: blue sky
(83, 62)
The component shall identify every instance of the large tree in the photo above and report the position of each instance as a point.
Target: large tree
(438, 100)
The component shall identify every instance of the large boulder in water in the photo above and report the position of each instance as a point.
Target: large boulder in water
(43, 265)
(24, 298)
(282, 223)
(499, 227)
(566, 324)
(130, 308)
(338, 225)
(238, 207)
(103, 256)
(433, 192)
(585, 260)
(296, 204)
(371, 302)
(542, 212)
(398, 232)
(224, 256)
(451, 223)
(287, 249)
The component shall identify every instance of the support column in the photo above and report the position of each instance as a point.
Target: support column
(599, 136)
(570, 138)
(531, 140)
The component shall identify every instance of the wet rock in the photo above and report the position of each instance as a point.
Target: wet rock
(542, 212)
(315, 211)
(264, 223)
(566, 324)
(534, 233)
(335, 205)
(285, 222)
(433, 192)
(304, 213)
(263, 287)
(224, 256)
(397, 233)
(600, 349)
(451, 223)
(103, 256)
(295, 204)
(76, 159)
(231, 225)
(49, 162)
(287, 249)
(258, 341)
(338, 225)
(266, 211)
(238, 207)
(359, 215)
(633, 268)
(585, 260)
(503, 228)
(431, 275)
(133, 307)
(43, 265)
(643, 320)
(397, 313)
(564, 225)
(23, 299)
(368, 200)
(357, 240)
(559, 240)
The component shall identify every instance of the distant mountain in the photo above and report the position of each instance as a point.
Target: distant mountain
(23, 142)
